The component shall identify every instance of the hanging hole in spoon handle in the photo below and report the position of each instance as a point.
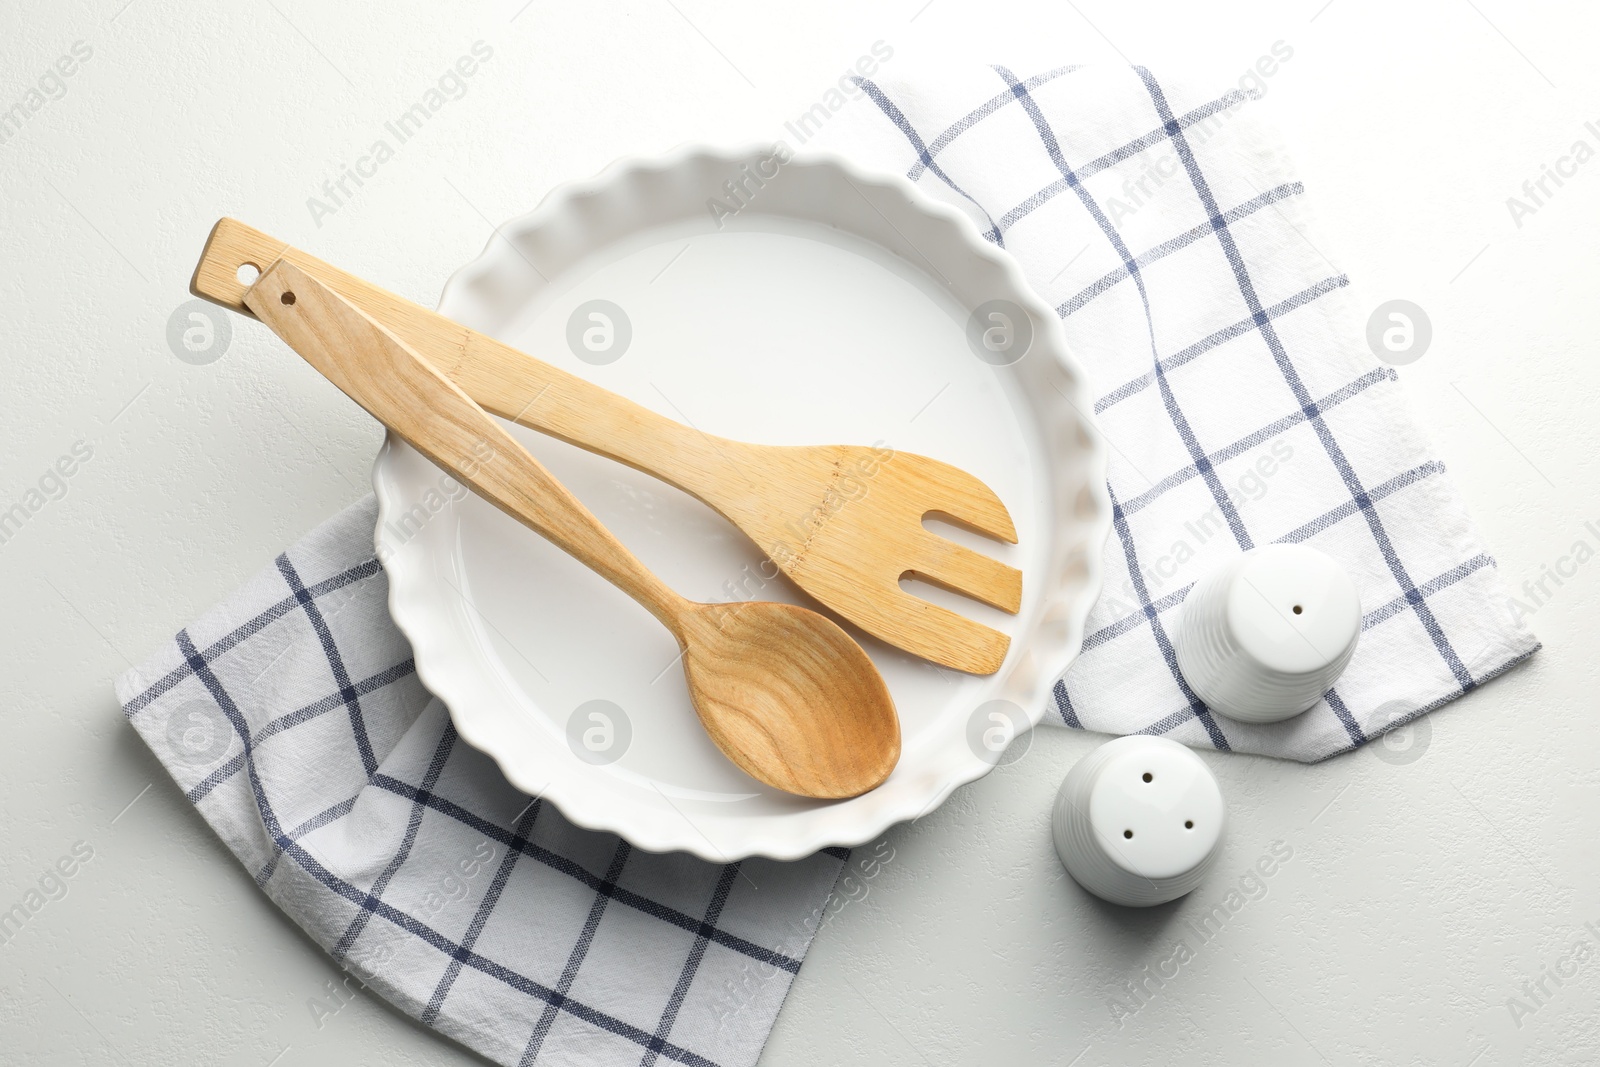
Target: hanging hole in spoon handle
(231, 262)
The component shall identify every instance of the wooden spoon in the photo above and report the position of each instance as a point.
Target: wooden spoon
(783, 691)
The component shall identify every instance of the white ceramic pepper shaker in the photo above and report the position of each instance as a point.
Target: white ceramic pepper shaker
(1139, 821)
(1265, 635)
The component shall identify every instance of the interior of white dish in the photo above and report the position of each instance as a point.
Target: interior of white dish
(825, 310)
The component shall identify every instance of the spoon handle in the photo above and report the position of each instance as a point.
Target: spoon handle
(502, 380)
(417, 403)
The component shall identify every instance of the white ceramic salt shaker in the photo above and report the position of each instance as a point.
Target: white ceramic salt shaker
(1139, 821)
(1264, 636)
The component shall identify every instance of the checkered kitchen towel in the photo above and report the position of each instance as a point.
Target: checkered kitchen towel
(292, 717)
(1231, 378)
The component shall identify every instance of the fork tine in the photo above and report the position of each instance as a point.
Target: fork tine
(954, 494)
(946, 637)
(968, 572)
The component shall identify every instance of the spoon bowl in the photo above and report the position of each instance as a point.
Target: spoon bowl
(789, 697)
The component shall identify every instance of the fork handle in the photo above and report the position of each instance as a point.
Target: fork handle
(502, 380)
(401, 390)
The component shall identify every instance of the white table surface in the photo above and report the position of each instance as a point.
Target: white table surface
(1419, 897)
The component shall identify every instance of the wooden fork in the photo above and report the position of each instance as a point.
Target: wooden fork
(844, 522)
